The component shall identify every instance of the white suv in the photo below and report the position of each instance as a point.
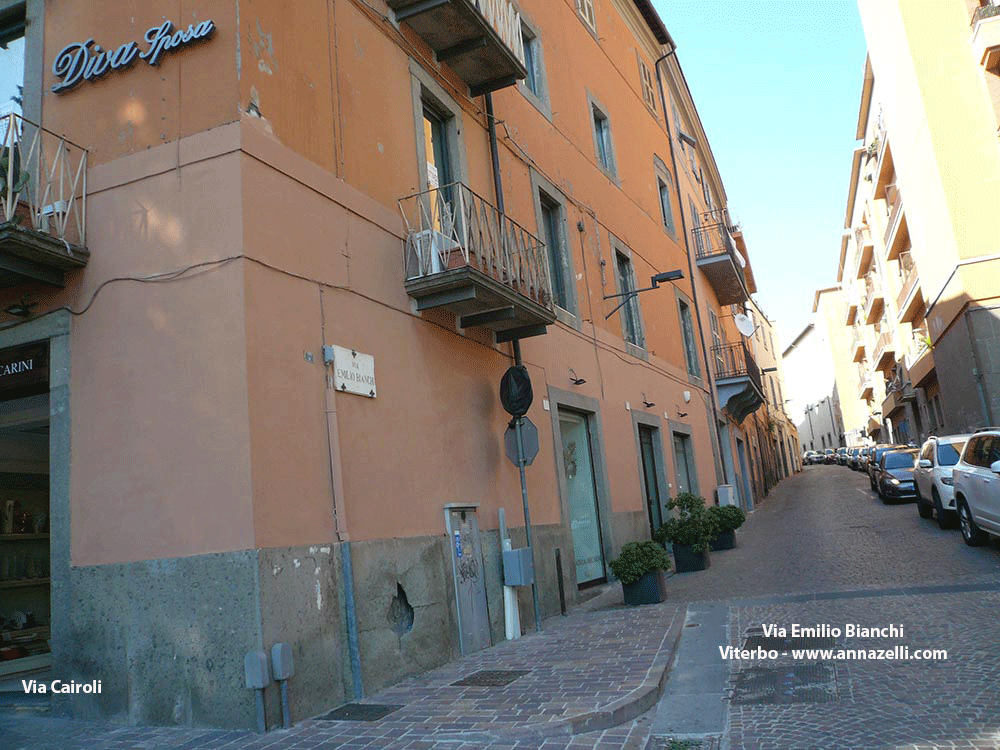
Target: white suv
(977, 487)
(932, 474)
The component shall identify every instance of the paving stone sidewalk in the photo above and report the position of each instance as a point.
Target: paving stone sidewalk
(588, 677)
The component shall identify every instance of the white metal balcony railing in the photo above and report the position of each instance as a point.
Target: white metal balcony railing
(452, 227)
(43, 182)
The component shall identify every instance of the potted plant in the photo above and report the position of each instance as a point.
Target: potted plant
(689, 533)
(726, 519)
(640, 568)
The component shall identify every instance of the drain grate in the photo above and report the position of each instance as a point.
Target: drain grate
(360, 712)
(802, 683)
(774, 643)
(491, 678)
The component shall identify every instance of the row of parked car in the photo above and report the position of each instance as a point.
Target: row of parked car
(953, 478)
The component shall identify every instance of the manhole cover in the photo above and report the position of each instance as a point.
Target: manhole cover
(491, 678)
(802, 683)
(360, 712)
(775, 643)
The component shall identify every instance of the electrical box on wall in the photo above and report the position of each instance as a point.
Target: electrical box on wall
(518, 569)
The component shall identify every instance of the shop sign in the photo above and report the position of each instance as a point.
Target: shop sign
(88, 61)
(24, 365)
(353, 372)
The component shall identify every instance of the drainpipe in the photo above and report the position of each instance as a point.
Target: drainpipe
(516, 353)
(340, 525)
(720, 465)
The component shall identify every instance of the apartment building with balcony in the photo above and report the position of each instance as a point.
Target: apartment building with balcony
(263, 270)
(919, 257)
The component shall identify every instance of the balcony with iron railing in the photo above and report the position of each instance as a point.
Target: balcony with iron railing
(908, 301)
(864, 249)
(43, 204)
(895, 228)
(738, 380)
(479, 39)
(858, 344)
(462, 254)
(874, 298)
(885, 353)
(986, 36)
(723, 265)
(865, 383)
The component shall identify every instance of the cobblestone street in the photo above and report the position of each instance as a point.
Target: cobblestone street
(822, 550)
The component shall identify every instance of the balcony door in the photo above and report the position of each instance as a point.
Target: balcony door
(581, 495)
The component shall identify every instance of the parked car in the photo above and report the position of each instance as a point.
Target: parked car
(852, 457)
(862, 462)
(808, 458)
(894, 475)
(829, 457)
(977, 487)
(874, 456)
(841, 456)
(933, 475)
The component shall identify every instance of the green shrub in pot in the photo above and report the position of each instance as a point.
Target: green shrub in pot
(692, 527)
(637, 559)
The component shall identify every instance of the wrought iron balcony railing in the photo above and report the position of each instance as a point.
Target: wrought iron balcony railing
(984, 12)
(734, 361)
(452, 227)
(43, 181)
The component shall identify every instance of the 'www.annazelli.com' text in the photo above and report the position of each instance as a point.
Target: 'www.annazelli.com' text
(897, 653)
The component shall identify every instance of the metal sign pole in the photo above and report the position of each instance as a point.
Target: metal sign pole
(527, 523)
(524, 500)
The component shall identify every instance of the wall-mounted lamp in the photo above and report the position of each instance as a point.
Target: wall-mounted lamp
(574, 378)
(648, 404)
(21, 309)
(654, 282)
(680, 413)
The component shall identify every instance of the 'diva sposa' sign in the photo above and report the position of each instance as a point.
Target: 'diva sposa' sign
(87, 61)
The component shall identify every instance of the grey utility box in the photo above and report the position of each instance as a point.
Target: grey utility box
(518, 570)
(282, 665)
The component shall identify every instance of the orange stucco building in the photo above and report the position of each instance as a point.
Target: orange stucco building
(279, 274)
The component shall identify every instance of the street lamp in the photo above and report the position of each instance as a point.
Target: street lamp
(655, 280)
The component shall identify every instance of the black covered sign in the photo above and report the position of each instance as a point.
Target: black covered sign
(24, 370)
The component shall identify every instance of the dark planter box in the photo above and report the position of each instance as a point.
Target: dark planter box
(724, 540)
(647, 590)
(688, 561)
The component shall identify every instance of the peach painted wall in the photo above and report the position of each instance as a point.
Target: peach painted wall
(191, 90)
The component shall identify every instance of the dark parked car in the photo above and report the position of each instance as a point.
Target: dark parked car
(841, 456)
(874, 456)
(894, 476)
(862, 464)
(852, 457)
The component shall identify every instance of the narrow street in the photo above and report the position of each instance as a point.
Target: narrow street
(824, 550)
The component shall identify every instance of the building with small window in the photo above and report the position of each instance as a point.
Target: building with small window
(264, 268)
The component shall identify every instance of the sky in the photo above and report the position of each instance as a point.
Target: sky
(777, 84)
